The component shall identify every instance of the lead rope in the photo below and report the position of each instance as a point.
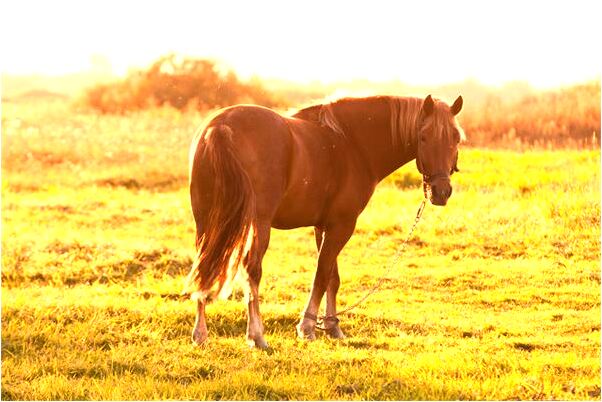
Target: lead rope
(400, 250)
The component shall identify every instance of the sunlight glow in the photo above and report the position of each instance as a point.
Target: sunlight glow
(546, 44)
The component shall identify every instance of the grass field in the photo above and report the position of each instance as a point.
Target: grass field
(496, 297)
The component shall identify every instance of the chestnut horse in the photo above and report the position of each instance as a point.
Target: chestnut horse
(252, 169)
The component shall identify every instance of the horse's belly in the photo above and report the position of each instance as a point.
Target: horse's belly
(290, 224)
(304, 207)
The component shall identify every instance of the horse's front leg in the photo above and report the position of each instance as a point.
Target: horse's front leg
(331, 322)
(334, 239)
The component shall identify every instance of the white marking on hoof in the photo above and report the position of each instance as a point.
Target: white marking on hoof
(258, 342)
(306, 331)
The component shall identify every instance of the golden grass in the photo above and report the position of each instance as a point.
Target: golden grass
(496, 297)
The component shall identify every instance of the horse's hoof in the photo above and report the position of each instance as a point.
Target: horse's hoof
(200, 338)
(258, 342)
(306, 332)
(335, 332)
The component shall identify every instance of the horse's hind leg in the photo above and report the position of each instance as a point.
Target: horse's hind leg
(331, 322)
(254, 270)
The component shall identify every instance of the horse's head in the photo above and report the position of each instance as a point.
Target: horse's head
(437, 155)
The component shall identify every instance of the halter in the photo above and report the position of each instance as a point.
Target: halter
(428, 178)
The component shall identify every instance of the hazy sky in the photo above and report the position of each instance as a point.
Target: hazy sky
(418, 42)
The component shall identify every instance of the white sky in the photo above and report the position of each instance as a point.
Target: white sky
(418, 42)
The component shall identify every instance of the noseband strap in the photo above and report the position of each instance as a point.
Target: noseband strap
(431, 178)
(427, 180)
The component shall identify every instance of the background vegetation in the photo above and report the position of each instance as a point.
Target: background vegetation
(515, 116)
(496, 297)
(180, 83)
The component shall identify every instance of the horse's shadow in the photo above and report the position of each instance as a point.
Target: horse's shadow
(237, 326)
(276, 325)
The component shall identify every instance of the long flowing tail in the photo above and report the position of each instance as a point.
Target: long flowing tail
(223, 205)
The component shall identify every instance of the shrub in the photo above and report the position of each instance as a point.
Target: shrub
(181, 83)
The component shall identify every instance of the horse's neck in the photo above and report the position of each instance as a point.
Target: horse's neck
(369, 126)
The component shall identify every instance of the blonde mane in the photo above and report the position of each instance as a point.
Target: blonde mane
(404, 118)
(404, 115)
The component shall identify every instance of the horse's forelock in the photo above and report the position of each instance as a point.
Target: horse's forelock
(404, 121)
(446, 125)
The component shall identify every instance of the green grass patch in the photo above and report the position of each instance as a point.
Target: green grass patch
(497, 295)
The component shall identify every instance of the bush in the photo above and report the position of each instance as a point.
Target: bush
(181, 83)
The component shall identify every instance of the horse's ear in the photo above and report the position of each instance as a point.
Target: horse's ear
(457, 106)
(428, 106)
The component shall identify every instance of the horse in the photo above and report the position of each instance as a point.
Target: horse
(253, 169)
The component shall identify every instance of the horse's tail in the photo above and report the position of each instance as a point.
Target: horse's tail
(223, 205)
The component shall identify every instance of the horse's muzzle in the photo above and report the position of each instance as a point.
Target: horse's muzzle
(439, 190)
